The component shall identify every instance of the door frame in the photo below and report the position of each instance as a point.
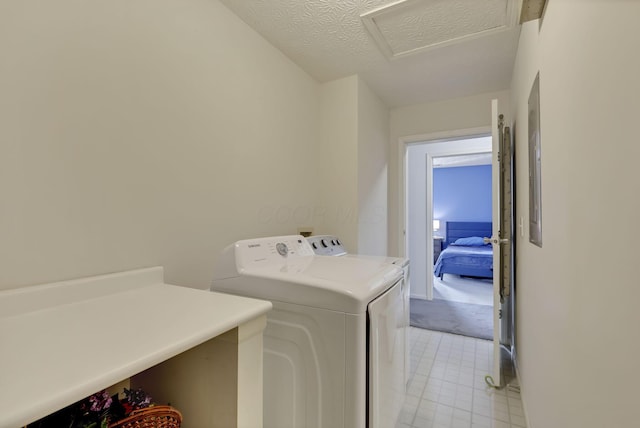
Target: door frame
(435, 148)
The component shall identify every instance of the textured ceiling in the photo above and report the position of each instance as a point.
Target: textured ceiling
(329, 40)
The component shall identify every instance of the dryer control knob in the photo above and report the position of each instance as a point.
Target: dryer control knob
(282, 249)
(324, 243)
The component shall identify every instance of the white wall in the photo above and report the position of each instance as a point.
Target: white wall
(577, 296)
(373, 156)
(144, 133)
(413, 123)
(337, 162)
(352, 166)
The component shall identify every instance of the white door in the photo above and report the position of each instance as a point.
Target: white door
(501, 240)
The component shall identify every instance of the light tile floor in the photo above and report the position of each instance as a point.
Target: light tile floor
(447, 387)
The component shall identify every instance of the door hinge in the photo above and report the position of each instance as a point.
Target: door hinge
(500, 313)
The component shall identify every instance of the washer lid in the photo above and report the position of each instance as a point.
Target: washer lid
(335, 283)
(399, 261)
(330, 272)
(330, 245)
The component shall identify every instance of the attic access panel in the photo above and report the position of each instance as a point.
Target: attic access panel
(407, 27)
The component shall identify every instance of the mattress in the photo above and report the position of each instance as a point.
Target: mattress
(462, 260)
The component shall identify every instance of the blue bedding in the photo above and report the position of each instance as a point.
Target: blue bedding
(462, 260)
(472, 259)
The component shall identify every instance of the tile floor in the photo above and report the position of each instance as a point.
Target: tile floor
(447, 387)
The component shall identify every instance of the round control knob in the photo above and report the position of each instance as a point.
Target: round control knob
(338, 241)
(282, 249)
(324, 243)
(314, 245)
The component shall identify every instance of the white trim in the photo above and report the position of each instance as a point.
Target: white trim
(442, 136)
(522, 400)
(429, 211)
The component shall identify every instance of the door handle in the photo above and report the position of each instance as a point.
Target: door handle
(495, 241)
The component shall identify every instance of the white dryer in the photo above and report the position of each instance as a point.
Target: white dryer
(331, 245)
(331, 354)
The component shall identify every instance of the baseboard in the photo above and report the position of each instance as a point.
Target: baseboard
(522, 400)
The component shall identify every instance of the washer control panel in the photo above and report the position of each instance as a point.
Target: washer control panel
(272, 250)
(326, 245)
(282, 249)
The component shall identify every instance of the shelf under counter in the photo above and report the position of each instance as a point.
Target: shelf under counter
(64, 341)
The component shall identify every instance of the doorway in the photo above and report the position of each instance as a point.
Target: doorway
(501, 239)
(446, 297)
(418, 196)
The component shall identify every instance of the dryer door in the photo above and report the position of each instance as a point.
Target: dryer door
(387, 351)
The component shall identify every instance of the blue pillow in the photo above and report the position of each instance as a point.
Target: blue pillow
(472, 241)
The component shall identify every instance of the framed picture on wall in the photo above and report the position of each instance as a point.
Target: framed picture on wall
(535, 191)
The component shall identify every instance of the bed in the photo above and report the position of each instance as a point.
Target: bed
(464, 252)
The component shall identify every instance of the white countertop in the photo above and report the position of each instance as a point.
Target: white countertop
(64, 341)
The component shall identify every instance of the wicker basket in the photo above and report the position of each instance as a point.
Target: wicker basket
(151, 417)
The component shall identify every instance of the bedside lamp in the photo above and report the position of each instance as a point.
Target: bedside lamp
(436, 225)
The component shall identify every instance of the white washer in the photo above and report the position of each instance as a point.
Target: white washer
(331, 245)
(331, 346)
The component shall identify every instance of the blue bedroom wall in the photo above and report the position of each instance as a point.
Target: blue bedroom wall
(461, 194)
